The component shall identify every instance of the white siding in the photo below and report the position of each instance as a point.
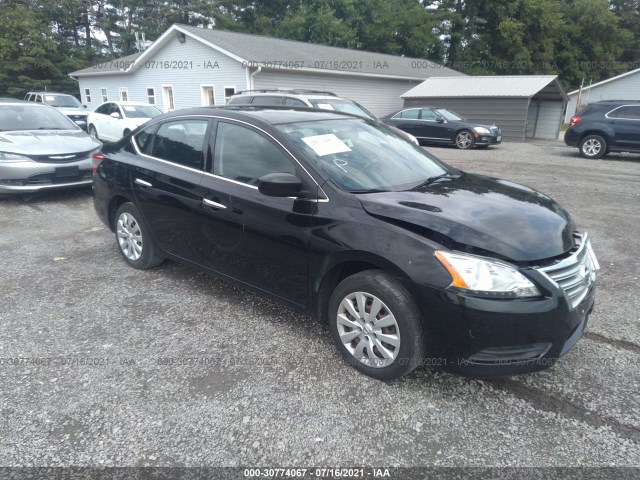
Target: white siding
(186, 82)
(625, 88)
(380, 96)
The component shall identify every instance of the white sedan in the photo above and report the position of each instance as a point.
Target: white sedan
(113, 120)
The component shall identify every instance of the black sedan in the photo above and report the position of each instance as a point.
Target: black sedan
(409, 261)
(442, 126)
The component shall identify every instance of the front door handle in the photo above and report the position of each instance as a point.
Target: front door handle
(142, 183)
(212, 204)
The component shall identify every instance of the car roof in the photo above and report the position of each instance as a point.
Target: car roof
(272, 115)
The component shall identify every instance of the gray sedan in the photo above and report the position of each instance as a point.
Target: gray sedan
(41, 149)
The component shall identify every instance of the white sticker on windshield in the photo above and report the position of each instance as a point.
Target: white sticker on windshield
(326, 144)
(129, 108)
(325, 106)
(49, 98)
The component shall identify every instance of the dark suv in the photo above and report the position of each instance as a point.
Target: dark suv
(607, 126)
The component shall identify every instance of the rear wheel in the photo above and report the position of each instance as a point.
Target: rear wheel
(593, 146)
(134, 239)
(375, 324)
(464, 139)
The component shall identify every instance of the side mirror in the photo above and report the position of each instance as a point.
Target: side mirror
(84, 106)
(439, 120)
(280, 185)
(115, 115)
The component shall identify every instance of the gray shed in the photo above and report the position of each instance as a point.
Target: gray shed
(523, 106)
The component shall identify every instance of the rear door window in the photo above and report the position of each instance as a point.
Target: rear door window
(628, 112)
(181, 142)
(266, 100)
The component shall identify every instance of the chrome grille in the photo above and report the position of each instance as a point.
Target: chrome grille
(61, 158)
(577, 273)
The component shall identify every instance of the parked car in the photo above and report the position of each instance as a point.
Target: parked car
(409, 260)
(113, 120)
(442, 126)
(67, 104)
(308, 99)
(41, 149)
(603, 127)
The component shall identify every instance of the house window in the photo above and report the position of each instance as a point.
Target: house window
(105, 97)
(228, 92)
(207, 93)
(87, 95)
(124, 94)
(151, 96)
(167, 98)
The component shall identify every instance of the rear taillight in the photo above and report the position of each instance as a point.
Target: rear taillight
(574, 121)
(96, 158)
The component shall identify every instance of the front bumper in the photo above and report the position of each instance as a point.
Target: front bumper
(485, 337)
(80, 120)
(491, 139)
(32, 176)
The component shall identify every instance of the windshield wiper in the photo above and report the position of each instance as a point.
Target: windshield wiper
(371, 190)
(433, 179)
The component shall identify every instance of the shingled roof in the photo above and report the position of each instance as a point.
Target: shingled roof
(261, 50)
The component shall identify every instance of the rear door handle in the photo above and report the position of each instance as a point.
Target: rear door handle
(212, 204)
(142, 183)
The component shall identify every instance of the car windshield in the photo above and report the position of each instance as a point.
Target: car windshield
(342, 105)
(363, 157)
(28, 117)
(449, 115)
(61, 101)
(141, 111)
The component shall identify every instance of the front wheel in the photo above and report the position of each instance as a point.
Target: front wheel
(134, 239)
(375, 324)
(593, 146)
(93, 132)
(464, 140)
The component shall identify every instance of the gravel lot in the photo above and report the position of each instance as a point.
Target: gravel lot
(268, 387)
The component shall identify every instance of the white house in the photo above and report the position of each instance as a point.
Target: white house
(622, 87)
(189, 66)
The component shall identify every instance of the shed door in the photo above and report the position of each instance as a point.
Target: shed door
(532, 115)
(549, 120)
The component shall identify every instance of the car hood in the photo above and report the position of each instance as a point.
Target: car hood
(47, 142)
(72, 111)
(496, 216)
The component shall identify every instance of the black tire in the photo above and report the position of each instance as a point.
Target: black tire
(464, 139)
(395, 300)
(127, 222)
(93, 132)
(593, 146)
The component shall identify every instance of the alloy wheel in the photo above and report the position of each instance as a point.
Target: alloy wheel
(129, 236)
(464, 140)
(368, 329)
(592, 147)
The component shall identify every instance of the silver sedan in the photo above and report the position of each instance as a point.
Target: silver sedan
(41, 149)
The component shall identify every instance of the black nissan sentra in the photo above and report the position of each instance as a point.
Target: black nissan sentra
(410, 261)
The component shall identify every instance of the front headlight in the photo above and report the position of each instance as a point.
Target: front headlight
(482, 130)
(486, 277)
(6, 157)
